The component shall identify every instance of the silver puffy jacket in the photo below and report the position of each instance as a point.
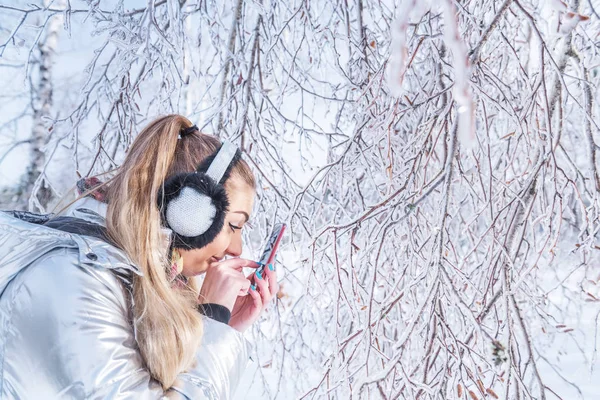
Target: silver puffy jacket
(66, 324)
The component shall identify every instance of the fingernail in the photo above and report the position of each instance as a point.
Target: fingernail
(258, 275)
(252, 287)
(271, 267)
(260, 264)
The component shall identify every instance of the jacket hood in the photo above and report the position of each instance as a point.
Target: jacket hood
(23, 240)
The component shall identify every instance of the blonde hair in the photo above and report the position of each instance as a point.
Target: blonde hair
(167, 323)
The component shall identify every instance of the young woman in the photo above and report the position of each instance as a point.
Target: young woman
(100, 302)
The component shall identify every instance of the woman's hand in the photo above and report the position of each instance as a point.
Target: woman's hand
(225, 281)
(247, 309)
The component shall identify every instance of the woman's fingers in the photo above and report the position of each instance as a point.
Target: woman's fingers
(224, 283)
(258, 303)
(244, 285)
(271, 275)
(267, 284)
(261, 283)
(237, 264)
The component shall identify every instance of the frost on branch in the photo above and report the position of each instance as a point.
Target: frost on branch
(396, 65)
(461, 90)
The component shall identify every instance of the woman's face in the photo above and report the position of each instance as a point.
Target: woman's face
(229, 240)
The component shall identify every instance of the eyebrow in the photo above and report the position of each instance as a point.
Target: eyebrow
(244, 213)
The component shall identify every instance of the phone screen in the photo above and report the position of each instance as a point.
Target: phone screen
(268, 255)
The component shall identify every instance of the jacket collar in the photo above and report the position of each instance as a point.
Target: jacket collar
(93, 251)
(88, 209)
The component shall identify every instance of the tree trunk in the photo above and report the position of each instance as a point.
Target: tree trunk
(34, 189)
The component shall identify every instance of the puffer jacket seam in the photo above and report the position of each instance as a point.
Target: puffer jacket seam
(115, 380)
(207, 387)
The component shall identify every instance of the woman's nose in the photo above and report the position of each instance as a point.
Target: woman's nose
(235, 246)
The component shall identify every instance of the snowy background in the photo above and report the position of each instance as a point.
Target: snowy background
(435, 160)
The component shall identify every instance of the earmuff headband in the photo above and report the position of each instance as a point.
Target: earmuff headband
(193, 205)
(222, 161)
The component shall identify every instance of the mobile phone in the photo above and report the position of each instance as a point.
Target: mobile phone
(268, 255)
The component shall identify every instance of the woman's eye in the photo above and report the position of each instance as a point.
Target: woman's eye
(235, 227)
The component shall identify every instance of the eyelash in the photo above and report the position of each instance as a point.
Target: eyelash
(235, 228)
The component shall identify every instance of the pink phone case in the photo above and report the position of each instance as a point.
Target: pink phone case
(268, 255)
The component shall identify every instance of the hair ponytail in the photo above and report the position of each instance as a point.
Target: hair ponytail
(167, 323)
